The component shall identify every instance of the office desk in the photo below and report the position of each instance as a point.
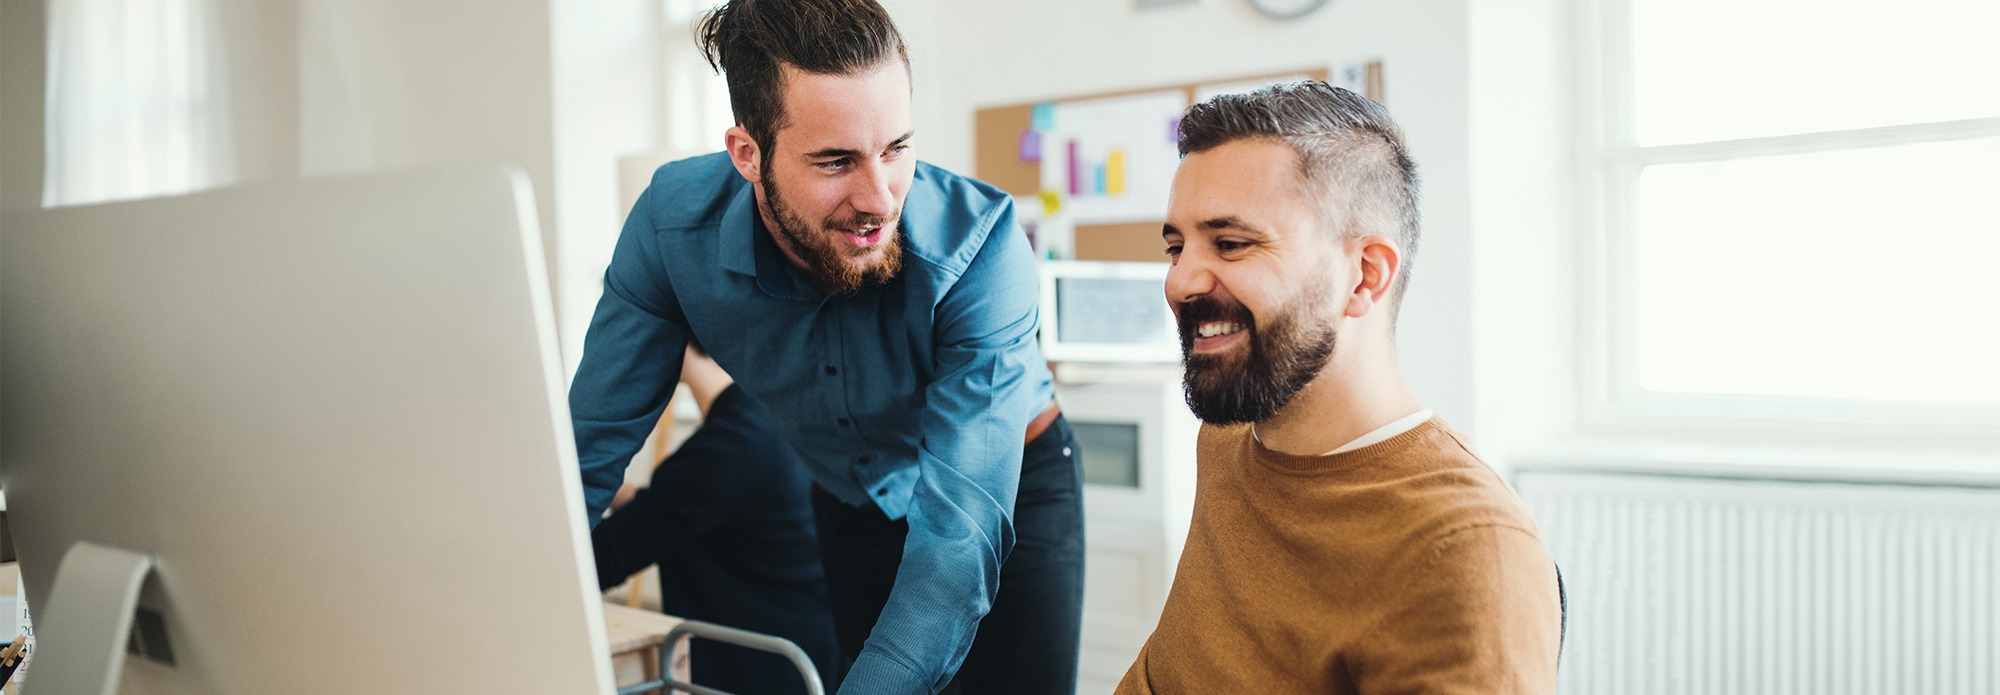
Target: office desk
(636, 637)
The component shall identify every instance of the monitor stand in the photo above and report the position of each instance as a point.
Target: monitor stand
(87, 621)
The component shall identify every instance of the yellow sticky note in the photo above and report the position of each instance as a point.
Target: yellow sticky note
(1114, 173)
(1051, 202)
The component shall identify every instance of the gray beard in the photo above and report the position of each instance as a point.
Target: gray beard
(1283, 358)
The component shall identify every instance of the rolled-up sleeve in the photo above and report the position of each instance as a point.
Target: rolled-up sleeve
(631, 361)
(969, 462)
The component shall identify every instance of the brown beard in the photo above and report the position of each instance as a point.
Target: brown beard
(1282, 358)
(827, 261)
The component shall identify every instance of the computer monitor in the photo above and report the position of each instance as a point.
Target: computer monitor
(1107, 312)
(323, 424)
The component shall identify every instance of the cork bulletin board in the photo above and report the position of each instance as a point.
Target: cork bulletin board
(1090, 172)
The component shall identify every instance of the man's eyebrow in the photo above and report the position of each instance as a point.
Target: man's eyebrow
(836, 152)
(1229, 222)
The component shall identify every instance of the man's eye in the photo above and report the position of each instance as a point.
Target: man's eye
(1227, 245)
(1173, 250)
(898, 151)
(832, 166)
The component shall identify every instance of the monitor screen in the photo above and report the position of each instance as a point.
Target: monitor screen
(318, 429)
(1104, 311)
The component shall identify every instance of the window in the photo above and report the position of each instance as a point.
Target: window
(135, 101)
(1797, 207)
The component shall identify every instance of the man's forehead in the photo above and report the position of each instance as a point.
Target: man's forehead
(860, 111)
(1247, 182)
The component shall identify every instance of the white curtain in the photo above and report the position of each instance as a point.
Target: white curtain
(136, 103)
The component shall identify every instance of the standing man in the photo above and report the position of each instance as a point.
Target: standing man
(883, 312)
(1343, 540)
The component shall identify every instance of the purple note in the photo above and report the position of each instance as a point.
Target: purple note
(1075, 170)
(1031, 146)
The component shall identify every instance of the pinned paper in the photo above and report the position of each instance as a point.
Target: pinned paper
(1114, 172)
(1075, 170)
(1031, 146)
(1042, 117)
(1077, 157)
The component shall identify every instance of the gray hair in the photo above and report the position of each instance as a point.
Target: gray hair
(1351, 155)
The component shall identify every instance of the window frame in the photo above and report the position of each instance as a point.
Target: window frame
(1608, 163)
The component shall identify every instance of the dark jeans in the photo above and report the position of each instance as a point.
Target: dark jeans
(1029, 642)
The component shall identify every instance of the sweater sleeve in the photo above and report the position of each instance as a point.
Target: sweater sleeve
(1479, 615)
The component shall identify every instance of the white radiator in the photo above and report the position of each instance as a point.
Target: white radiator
(1713, 586)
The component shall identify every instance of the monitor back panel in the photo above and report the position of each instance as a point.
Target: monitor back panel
(332, 411)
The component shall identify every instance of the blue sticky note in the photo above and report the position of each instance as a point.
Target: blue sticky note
(1031, 146)
(1043, 117)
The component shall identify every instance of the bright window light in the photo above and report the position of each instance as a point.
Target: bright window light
(1708, 70)
(1852, 274)
(1797, 207)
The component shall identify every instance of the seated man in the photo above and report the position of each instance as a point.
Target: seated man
(1344, 540)
(728, 521)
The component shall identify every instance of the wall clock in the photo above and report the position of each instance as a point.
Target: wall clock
(1287, 9)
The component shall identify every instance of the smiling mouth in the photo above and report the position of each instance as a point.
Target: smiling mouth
(862, 237)
(1215, 335)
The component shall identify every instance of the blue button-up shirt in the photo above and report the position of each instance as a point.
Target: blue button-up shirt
(913, 396)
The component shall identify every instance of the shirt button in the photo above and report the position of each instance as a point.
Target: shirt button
(830, 371)
(881, 492)
(843, 422)
(863, 460)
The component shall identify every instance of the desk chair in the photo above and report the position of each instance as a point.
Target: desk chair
(742, 638)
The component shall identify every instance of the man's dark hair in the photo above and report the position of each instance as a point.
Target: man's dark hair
(748, 41)
(1351, 155)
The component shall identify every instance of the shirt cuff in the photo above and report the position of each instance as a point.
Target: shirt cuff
(875, 674)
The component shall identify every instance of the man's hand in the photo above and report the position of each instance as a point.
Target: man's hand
(625, 493)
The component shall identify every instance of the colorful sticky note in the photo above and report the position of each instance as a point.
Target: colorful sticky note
(1075, 170)
(1051, 202)
(1097, 179)
(1114, 172)
(1031, 146)
(1042, 117)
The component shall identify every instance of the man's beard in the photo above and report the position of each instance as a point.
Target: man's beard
(827, 257)
(1253, 385)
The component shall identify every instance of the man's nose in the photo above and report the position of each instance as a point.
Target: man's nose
(872, 194)
(1189, 278)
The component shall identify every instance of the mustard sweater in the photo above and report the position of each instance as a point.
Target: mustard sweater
(1407, 566)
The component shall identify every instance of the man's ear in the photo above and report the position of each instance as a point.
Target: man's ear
(743, 152)
(1377, 263)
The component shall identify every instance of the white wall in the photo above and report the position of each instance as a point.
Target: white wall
(1524, 311)
(970, 55)
(385, 84)
(23, 24)
(260, 73)
(607, 105)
